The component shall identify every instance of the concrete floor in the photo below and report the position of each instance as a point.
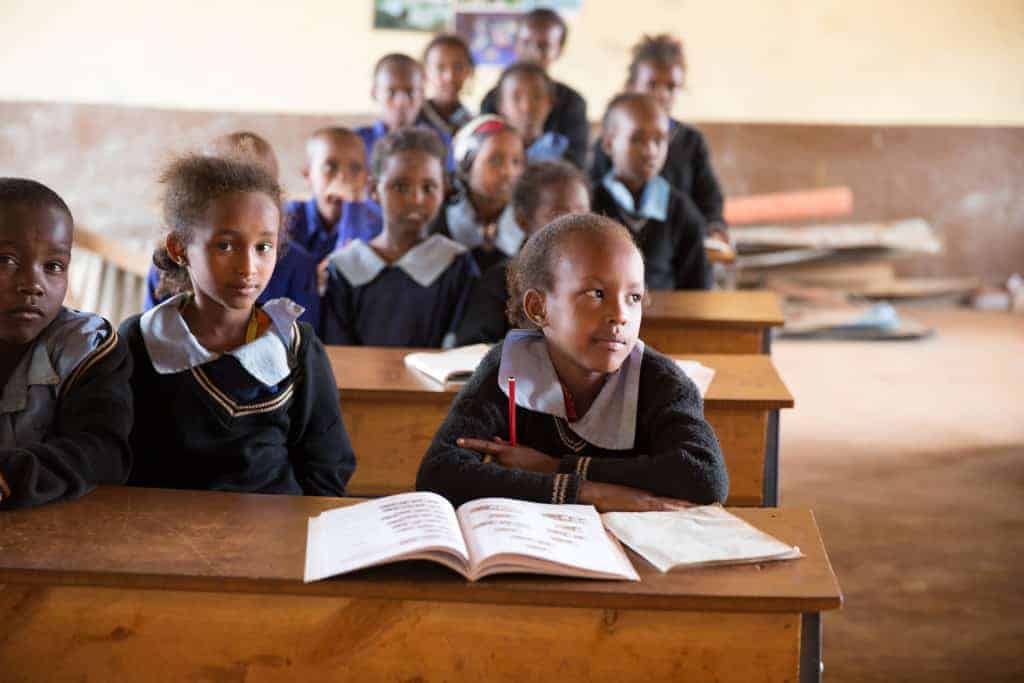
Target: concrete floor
(911, 455)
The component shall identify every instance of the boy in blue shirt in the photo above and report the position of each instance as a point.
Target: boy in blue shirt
(65, 400)
(398, 81)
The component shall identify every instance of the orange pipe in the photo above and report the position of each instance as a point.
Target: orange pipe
(780, 207)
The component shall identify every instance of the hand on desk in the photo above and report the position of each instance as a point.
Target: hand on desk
(616, 498)
(513, 457)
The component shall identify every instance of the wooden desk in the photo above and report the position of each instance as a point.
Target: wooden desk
(711, 322)
(150, 584)
(392, 410)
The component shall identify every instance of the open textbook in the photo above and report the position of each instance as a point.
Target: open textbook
(454, 365)
(483, 537)
(458, 364)
(695, 537)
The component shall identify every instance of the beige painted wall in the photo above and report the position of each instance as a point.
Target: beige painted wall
(830, 61)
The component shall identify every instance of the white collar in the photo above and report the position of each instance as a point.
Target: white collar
(173, 348)
(653, 200)
(611, 421)
(465, 229)
(424, 263)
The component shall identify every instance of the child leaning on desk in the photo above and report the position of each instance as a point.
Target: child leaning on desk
(601, 419)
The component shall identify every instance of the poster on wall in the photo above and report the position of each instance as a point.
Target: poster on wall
(490, 27)
(413, 15)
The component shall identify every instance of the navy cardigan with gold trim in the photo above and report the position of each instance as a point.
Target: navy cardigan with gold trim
(216, 427)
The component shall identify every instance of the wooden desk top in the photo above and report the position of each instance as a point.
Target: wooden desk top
(229, 542)
(735, 309)
(364, 372)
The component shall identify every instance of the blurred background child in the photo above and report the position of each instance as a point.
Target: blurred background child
(489, 156)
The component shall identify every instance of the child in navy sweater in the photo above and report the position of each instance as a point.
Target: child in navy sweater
(541, 38)
(295, 275)
(658, 68)
(667, 225)
(488, 156)
(545, 191)
(65, 402)
(525, 97)
(447, 63)
(230, 395)
(601, 418)
(402, 288)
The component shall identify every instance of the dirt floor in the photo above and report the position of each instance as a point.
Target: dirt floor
(911, 455)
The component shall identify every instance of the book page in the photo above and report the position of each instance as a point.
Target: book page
(699, 373)
(697, 536)
(455, 365)
(569, 535)
(381, 530)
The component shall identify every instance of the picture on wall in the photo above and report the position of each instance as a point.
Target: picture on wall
(412, 15)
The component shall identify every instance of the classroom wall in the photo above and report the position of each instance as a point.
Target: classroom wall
(967, 181)
(828, 61)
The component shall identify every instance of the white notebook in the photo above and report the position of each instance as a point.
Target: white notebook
(483, 537)
(700, 374)
(454, 365)
(697, 537)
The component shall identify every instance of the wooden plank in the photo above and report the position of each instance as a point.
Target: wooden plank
(85, 633)
(208, 541)
(799, 205)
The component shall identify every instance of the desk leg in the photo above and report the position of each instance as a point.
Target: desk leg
(766, 341)
(771, 462)
(810, 647)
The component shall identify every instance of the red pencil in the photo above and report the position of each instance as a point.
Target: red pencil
(512, 410)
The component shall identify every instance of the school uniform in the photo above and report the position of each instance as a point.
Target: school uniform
(65, 413)
(415, 301)
(450, 125)
(457, 220)
(294, 278)
(550, 146)
(358, 221)
(668, 228)
(484, 320)
(687, 168)
(646, 429)
(262, 418)
(568, 116)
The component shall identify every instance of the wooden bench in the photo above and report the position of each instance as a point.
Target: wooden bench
(392, 412)
(151, 584)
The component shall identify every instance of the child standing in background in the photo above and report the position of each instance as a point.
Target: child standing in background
(402, 288)
(525, 97)
(230, 395)
(541, 38)
(295, 274)
(544, 192)
(488, 155)
(658, 69)
(601, 419)
(448, 63)
(668, 226)
(65, 402)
